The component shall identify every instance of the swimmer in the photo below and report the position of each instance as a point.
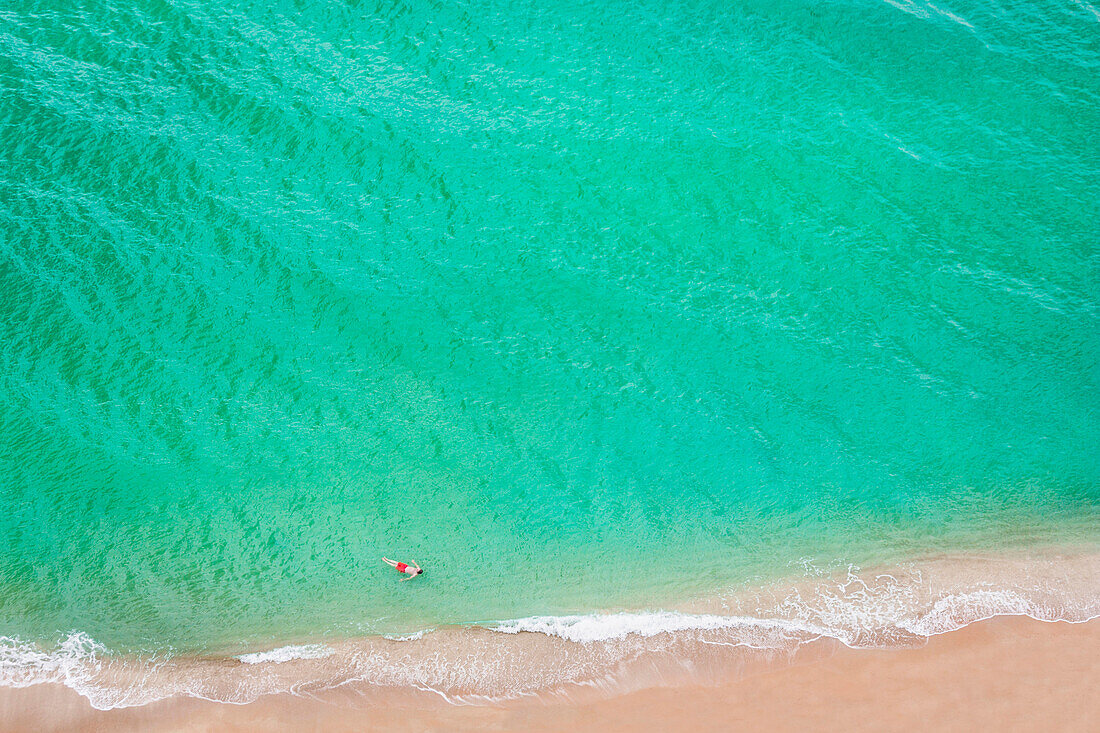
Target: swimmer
(412, 570)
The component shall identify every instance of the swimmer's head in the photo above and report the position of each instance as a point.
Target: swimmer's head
(419, 572)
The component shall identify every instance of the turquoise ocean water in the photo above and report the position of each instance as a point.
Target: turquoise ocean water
(580, 305)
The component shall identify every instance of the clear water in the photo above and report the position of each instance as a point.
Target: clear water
(580, 305)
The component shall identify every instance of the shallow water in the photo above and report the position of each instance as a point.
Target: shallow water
(588, 306)
(548, 657)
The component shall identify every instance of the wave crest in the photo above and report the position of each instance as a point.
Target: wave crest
(288, 653)
(900, 606)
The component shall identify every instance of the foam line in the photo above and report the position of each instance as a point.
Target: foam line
(872, 609)
(288, 653)
(605, 627)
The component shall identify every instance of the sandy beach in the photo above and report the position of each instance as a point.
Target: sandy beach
(1006, 673)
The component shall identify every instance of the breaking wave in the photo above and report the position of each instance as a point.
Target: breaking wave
(900, 606)
(288, 653)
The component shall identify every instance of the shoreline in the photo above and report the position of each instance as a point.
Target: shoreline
(1009, 672)
(599, 654)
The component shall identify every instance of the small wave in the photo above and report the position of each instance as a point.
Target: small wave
(957, 611)
(408, 637)
(605, 627)
(890, 607)
(288, 653)
(23, 663)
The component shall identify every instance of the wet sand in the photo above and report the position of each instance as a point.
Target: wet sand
(1013, 674)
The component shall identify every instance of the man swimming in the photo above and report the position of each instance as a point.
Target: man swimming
(412, 570)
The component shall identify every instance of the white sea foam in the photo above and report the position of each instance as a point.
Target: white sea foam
(956, 611)
(288, 653)
(69, 663)
(408, 637)
(605, 627)
(902, 606)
